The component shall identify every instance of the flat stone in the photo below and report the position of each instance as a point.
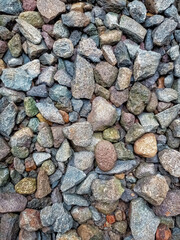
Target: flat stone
(74, 199)
(26, 186)
(83, 160)
(72, 177)
(4, 149)
(146, 64)
(158, 6)
(29, 220)
(148, 121)
(50, 9)
(170, 160)
(30, 107)
(170, 205)
(48, 167)
(110, 37)
(132, 28)
(107, 190)
(152, 188)
(143, 221)
(166, 94)
(63, 48)
(75, 19)
(102, 115)
(146, 146)
(43, 185)
(13, 7)
(108, 54)
(12, 202)
(85, 186)
(79, 133)
(45, 138)
(12, 95)
(83, 83)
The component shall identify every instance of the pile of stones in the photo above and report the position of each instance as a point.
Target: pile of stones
(89, 120)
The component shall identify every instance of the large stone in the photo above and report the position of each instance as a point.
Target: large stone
(32, 17)
(170, 160)
(107, 190)
(81, 215)
(158, 6)
(132, 28)
(143, 222)
(75, 19)
(146, 64)
(83, 83)
(12, 202)
(50, 9)
(13, 7)
(83, 160)
(79, 133)
(152, 188)
(137, 11)
(11, 95)
(166, 94)
(103, 114)
(22, 137)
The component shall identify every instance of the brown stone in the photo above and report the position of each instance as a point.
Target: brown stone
(106, 208)
(127, 120)
(48, 40)
(163, 233)
(124, 78)
(78, 6)
(87, 232)
(43, 185)
(105, 155)
(65, 116)
(118, 97)
(4, 149)
(30, 220)
(58, 135)
(110, 37)
(146, 146)
(30, 164)
(2, 66)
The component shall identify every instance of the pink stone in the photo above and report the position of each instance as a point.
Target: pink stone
(48, 40)
(29, 5)
(3, 46)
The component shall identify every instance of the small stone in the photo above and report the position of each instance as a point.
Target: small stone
(132, 28)
(48, 167)
(122, 55)
(64, 152)
(19, 165)
(123, 152)
(110, 37)
(137, 11)
(101, 91)
(83, 160)
(40, 157)
(121, 227)
(156, 6)
(85, 186)
(166, 94)
(170, 205)
(153, 103)
(134, 132)
(87, 232)
(127, 120)
(175, 127)
(14, 45)
(50, 9)
(146, 64)
(26, 186)
(111, 20)
(22, 137)
(29, 5)
(148, 121)
(68, 236)
(108, 54)
(123, 79)
(24, 235)
(63, 48)
(81, 214)
(74, 199)
(152, 188)
(60, 30)
(29, 220)
(30, 107)
(173, 52)
(170, 160)
(102, 115)
(33, 18)
(83, 83)
(43, 185)
(45, 138)
(4, 149)
(118, 97)
(146, 146)
(30, 164)
(111, 134)
(75, 19)
(105, 155)
(163, 233)
(145, 170)
(143, 221)
(72, 177)
(63, 78)
(112, 5)
(80, 133)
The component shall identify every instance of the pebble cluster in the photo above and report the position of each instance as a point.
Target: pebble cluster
(89, 120)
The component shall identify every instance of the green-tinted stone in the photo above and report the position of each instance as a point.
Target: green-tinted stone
(168, 221)
(134, 133)
(33, 124)
(20, 152)
(15, 46)
(26, 186)
(33, 18)
(4, 176)
(49, 167)
(30, 107)
(121, 227)
(122, 152)
(111, 134)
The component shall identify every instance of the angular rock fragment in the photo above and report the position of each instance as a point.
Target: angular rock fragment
(75, 19)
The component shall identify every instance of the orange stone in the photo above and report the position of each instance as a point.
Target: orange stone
(42, 119)
(163, 233)
(65, 116)
(78, 7)
(161, 82)
(110, 219)
(120, 176)
(146, 146)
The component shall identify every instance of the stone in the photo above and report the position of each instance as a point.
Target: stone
(132, 29)
(7, 119)
(101, 91)
(48, 167)
(63, 48)
(164, 31)
(122, 55)
(33, 18)
(177, 67)
(46, 76)
(170, 160)
(127, 120)
(50, 9)
(81, 214)
(49, 111)
(83, 160)
(111, 20)
(12, 202)
(29, 5)
(72, 177)
(45, 138)
(123, 79)
(102, 115)
(175, 127)
(139, 97)
(134, 132)
(22, 137)
(64, 152)
(67, 236)
(26, 186)
(23, 234)
(19, 165)
(30, 107)
(63, 78)
(9, 226)
(167, 116)
(83, 83)
(105, 74)
(60, 30)
(87, 232)
(111, 134)
(56, 92)
(166, 94)
(79, 133)
(74, 199)
(105, 155)
(143, 221)
(57, 132)
(148, 121)
(38, 91)
(170, 205)
(137, 11)
(13, 7)
(145, 170)
(4, 149)
(152, 188)
(146, 64)
(40, 157)
(118, 97)
(34, 50)
(110, 37)
(75, 19)
(29, 220)
(112, 5)
(108, 54)
(121, 227)
(122, 152)
(85, 186)
(153, 103)
(158, 6)
(43, 185)
(146, 146)
(14, 46)
(173, 52)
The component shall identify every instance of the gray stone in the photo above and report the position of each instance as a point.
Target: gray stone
(132, 28)
(34, 50)
(63, 78)
(56, 92)
(60, 30)
(72, 177)
(74, 199)
(173, 52)
(145, 170)
(40, 157)
(83, 83)
(75, 19)
(45, 137)
(146, 64)
(167, 116)
(165, 68)
(109, 54)
(9, 226)
(64, 152)
(47, 76)
(163, 32)
(134, 132)
(137, 11)
(38, 91)
(177, 67)
(154, 21)
(148, 121)
(170, 160)
(111, 20)
(73, 117)
(158, 6)
(4, 176)
(83, 160)
(49, 111)
(166, 94)
(4, 149)
(63, 48)
(87, 48)
(11, 95)
(11, 6)
(85, 186)
(122, 55)
(48, 59)
(19, 165)
(143, 221)
(132, 48)
(81, 215)
(175, 127)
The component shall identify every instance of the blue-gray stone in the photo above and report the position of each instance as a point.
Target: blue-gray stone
(56, 92)
(75, 37)
(33, 124)
(47, 76)
(148, 40)
(11, 6)
(85, 186)
(77, 104)
(73, 116)
(154, 21)
(60, 30)
(69, 67)
(4, 176)
(86, 108)
(168, 81)
(122, 55)
(166, 94)
(63, 78)
(148, 121)
(137, 11)
(38, 91)
(74, 199)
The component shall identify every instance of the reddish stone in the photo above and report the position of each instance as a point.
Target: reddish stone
(30, 164)
(65, 116)
(58, 135)
(110, 219)
(127, 120)
(48, 28)
(3, 47)
(30, 220)
(43, 185)
(29, 5)
(118, 97)
(48, 40)
(163, 233)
